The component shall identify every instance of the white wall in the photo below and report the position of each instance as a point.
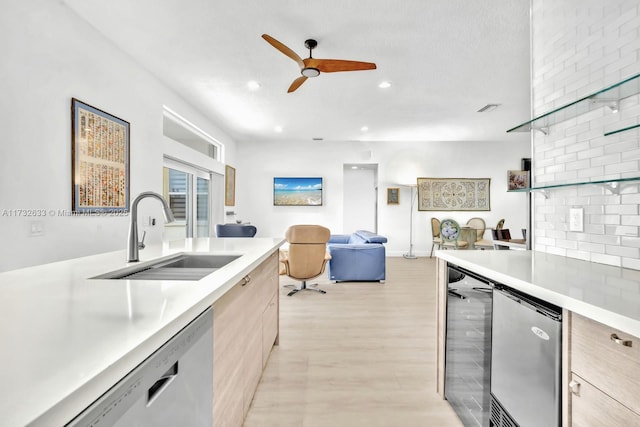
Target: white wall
(49, 55)
(399, 163)
(580, 47)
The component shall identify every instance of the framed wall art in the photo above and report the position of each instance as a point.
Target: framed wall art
(100, 160)
(297, 191)
(517, 180)
(454, 194)
(393, 196)
(229, 186)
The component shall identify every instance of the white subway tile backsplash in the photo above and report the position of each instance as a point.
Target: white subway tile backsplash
(605, 219)
(623, 230)
(578, 48)
(621, 209)
(605, 239)
(555, 153)
(591, 152)
(606, 159)
(632, 263)
(629, 166)
(586, 174)
(557, 234)
(592, 209)
(606, 259)
(555, 250)
(577, 165)
(591, 247)
(569, 176)
(585, 256)
(622, 251)
(594, 229)
(604, 199)
(630, 220)
(632, 242)
(545, 241)
(630, 198)
(567, 244)
(622, 147)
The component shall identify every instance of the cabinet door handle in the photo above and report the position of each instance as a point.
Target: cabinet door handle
(618, 340)
(574, 387)
(246, 280)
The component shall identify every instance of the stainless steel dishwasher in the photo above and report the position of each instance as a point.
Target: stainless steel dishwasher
(526, 361)
(172, 387)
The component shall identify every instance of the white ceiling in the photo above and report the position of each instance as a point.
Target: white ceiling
(445, 59)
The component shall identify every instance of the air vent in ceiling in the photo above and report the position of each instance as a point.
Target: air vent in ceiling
(488, 108)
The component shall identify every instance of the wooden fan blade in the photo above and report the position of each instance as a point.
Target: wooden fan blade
(284, 49)
(334, 65)
(296, 83)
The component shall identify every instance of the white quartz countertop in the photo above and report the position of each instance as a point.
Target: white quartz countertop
(607, 294)
(67, 338)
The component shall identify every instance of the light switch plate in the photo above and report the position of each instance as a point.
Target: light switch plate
(576, 219)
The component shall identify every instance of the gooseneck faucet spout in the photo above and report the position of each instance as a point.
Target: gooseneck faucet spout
(133, 243)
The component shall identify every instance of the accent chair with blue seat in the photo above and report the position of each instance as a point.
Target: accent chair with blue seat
(359, 256)
(235, 230)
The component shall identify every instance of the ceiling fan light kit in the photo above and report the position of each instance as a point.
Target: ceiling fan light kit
(312, 67)
(310, 72)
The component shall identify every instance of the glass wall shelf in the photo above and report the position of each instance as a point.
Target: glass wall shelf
(609, 96)
(612, 185)
(613, 132)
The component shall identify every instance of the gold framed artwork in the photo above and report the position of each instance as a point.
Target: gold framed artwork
(454, 194)
(517, 180)
(99, 160)
(229, 186)
(393, 196)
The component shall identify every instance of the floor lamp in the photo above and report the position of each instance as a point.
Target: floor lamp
(410, 254)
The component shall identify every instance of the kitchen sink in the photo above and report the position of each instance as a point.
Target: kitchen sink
(185, 266)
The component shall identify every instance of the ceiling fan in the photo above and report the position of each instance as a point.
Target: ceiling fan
(311, 67)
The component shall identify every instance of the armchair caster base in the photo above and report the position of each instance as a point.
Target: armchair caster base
(303, 287)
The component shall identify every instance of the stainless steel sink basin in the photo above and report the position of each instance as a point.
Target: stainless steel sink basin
(185, 266)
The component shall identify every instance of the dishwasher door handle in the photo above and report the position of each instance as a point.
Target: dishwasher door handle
(162, 383)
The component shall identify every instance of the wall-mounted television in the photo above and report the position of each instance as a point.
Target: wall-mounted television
(297, 191)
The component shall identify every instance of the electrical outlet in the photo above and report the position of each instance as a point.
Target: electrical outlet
(576, 219)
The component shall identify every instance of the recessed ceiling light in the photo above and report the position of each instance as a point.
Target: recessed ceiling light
(384, 85)
(253, 85)
(278, 129)
(364, 128)
(488, 108)
(354, 167)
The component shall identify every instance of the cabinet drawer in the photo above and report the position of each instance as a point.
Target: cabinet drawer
(590, 407)
(608, 365)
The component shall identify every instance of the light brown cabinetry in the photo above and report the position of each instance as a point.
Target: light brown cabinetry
(240, 349)
(605, 375)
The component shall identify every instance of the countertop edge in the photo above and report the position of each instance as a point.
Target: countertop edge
(72, 404)
(591, 311)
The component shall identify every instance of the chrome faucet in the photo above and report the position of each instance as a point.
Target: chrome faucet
(134, 245)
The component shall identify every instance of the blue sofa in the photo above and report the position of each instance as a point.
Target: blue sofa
(359, 256)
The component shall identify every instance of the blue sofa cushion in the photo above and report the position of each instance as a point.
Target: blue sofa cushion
(370, 237)
(339, 238)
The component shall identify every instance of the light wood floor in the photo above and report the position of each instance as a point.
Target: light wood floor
(363, 354)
